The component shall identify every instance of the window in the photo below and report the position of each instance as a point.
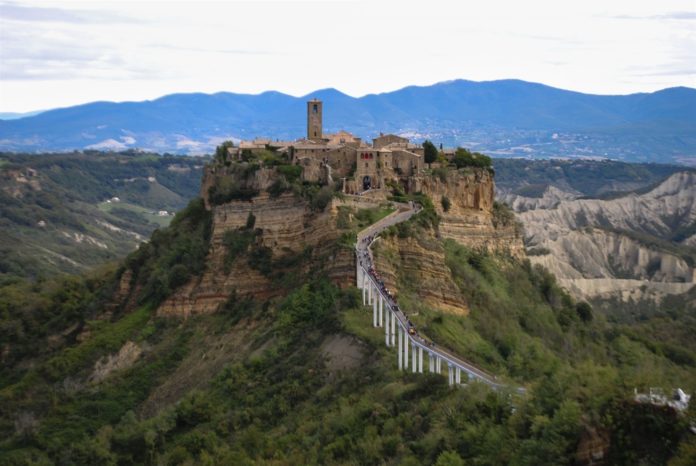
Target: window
(315, 109)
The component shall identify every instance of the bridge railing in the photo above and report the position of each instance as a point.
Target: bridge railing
(419, 342)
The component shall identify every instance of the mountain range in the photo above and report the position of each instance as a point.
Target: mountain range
(502, 118)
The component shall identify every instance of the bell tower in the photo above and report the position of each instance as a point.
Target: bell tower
(314, 119)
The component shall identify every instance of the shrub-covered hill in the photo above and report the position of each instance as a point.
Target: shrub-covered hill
(69, 212)
(305, 379)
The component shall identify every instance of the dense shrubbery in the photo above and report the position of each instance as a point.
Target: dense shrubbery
(29, 312)
(313, 306)
(221, 193)
(446, 203)
(425, 219)
(173, 254)
(222, 151)
(465, 158)
(503, 216)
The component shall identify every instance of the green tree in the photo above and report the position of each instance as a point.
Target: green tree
(446, 203)
(466, 158)
(584, 311)
(449, 458)
(221, 151)
(430, 152)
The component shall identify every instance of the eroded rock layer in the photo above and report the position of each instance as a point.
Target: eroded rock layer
(422, 262)
(470, 218)
(289, 226)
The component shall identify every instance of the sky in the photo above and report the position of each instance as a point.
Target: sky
(57, 54)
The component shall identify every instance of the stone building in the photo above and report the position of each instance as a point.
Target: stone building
(342, 156)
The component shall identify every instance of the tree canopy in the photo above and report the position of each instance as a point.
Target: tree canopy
(430, 151)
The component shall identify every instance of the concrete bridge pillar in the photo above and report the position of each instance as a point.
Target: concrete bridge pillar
(369, 292)
(386, 327)
(450, 373)
(364, 289)
(458, 375)
(401, 349)
(405, 349)
(438, 365)
(393, 325)
(380, 320)
(374, 307)
(420, 360)
(414, 357)
(431, 362)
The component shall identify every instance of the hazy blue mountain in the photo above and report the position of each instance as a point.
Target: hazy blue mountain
(508, 117)
(16, 115)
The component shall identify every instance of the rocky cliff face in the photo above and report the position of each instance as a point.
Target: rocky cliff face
(422, 261)
(290, 226)
(470, 219)
(625, 244)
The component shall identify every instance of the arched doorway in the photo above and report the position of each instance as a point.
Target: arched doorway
(367, 182)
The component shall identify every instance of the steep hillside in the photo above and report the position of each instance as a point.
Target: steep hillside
(70, 212)
(505, 118)
(622, 244)
(235, 336)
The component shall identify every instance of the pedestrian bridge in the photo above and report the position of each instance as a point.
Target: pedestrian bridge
(398, 331)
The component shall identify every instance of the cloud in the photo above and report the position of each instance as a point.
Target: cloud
(28, 54)
(16, 12)
(674, 15)
(206, 50)
(676, 71)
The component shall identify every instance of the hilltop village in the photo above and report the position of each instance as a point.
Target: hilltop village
(328, 157)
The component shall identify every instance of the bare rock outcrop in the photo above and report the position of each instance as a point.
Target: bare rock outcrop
(288, 225)
(125, 358)
(597, 247)
(470, 220)
(422, 261)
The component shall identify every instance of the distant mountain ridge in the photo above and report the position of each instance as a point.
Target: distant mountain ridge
(507, 117)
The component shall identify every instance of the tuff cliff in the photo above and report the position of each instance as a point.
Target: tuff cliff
(422, 261)
(288, 226)
(469, 216)
(472, 217)
(300, 231)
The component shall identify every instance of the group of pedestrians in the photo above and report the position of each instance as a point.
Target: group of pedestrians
(365, 260)
(366, 263)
